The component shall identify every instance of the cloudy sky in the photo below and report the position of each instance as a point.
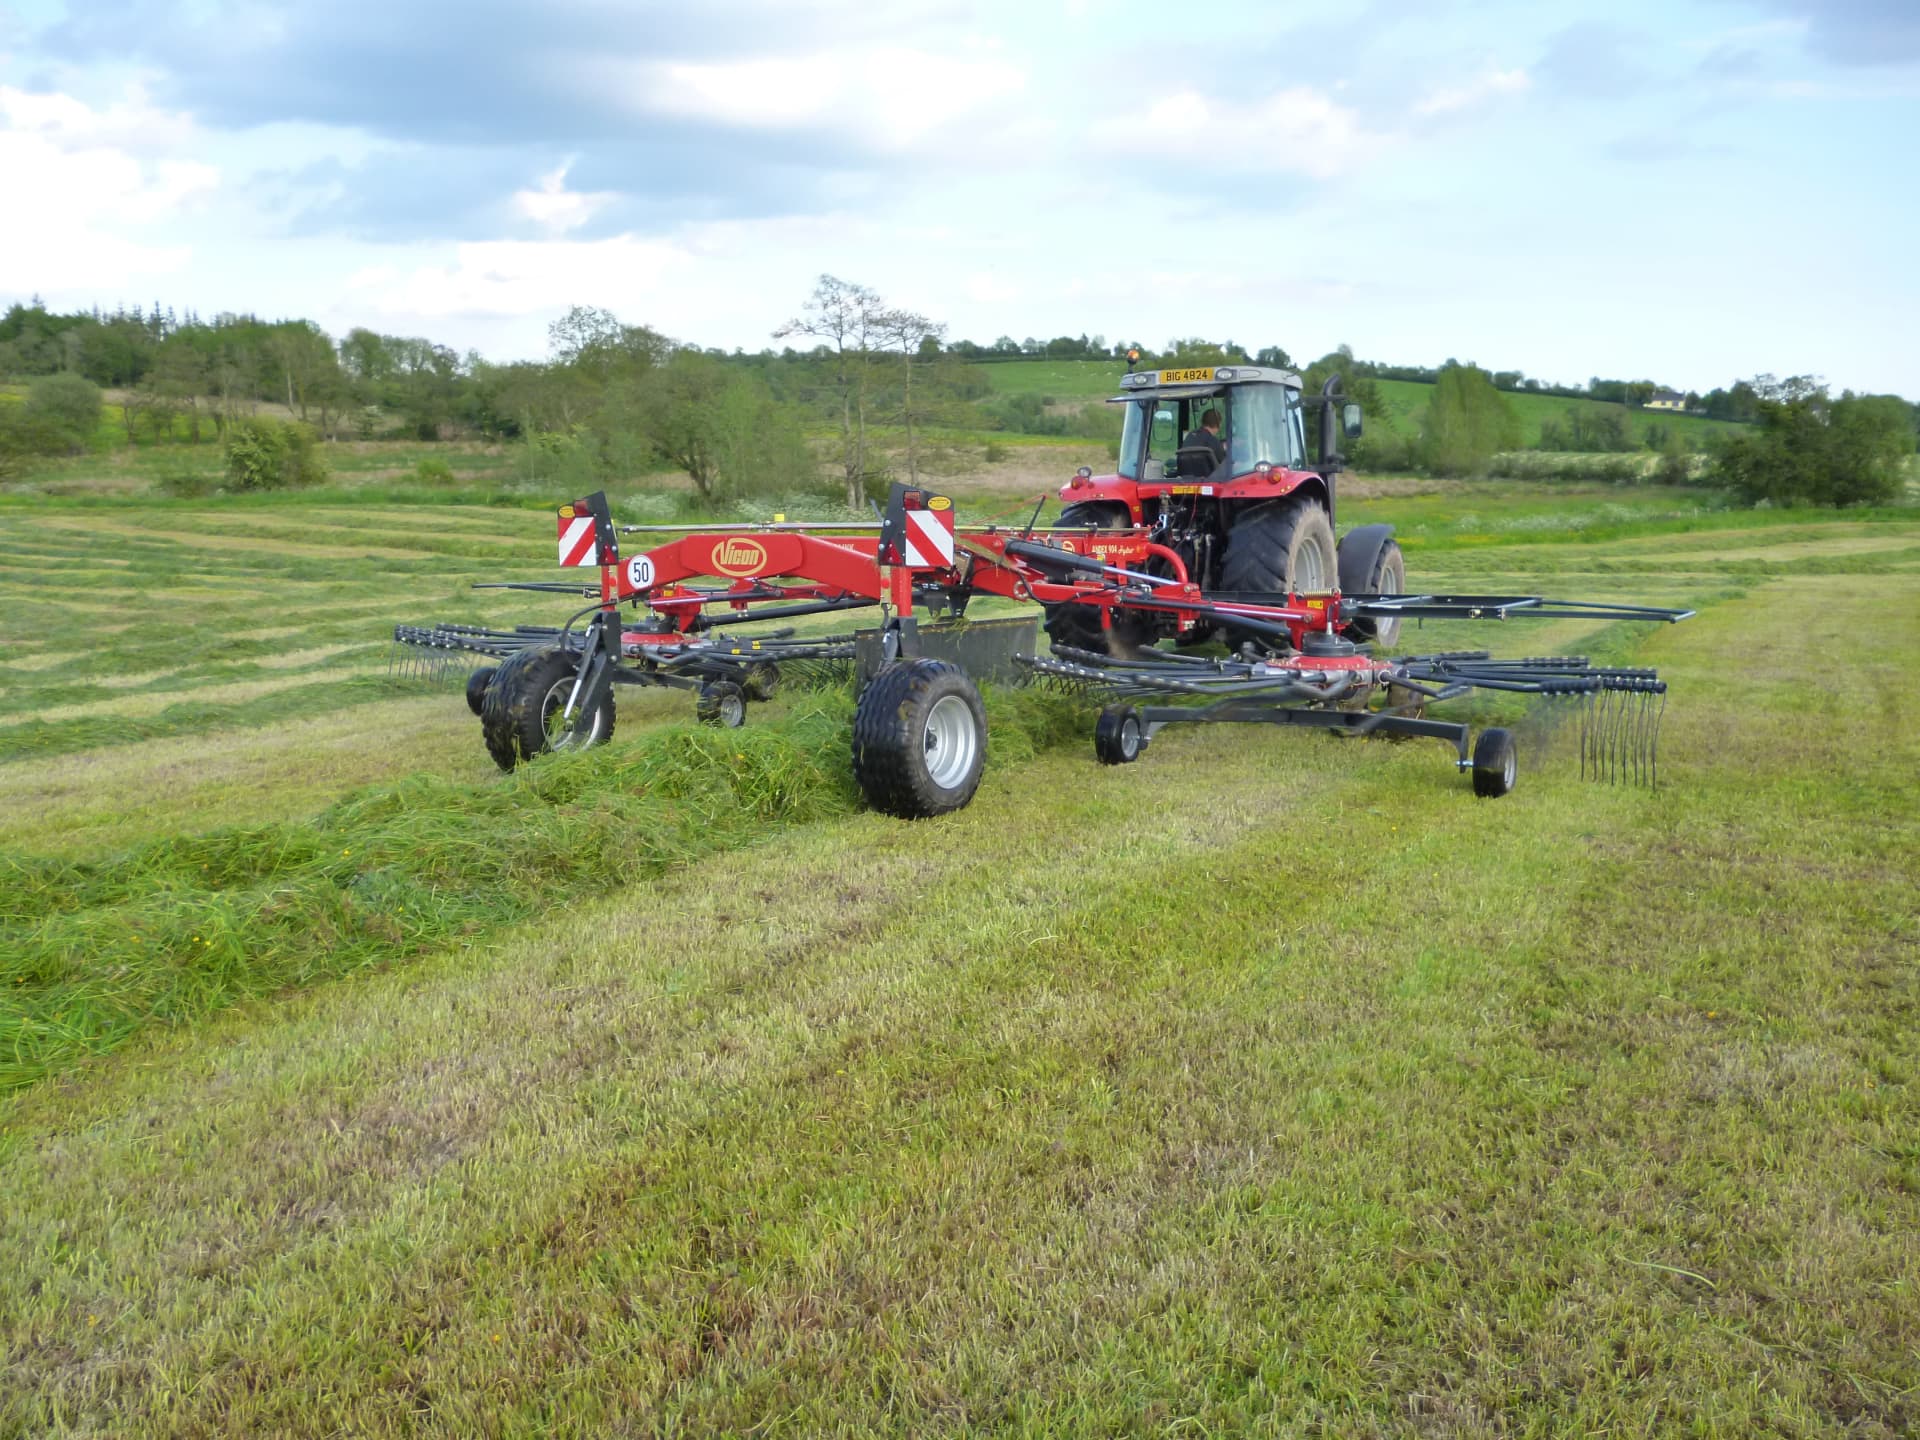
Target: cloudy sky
(1691, 190)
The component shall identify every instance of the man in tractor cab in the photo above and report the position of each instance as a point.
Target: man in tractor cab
(1203, 451)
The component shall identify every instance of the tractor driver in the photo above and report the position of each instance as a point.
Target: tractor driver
(1207, 438)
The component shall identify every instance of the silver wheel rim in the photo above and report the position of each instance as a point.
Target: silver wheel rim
(1507, 770)
(1310, 568)
(951, 741)
(553, 707)
(1393, 577)
(733, 710)
(1130, 736)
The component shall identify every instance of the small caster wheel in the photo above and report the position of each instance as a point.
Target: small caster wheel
(1493, 763)
(1119, 737)
(721, 703)
(761, 680)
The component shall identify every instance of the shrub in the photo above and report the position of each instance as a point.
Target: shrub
(432, 470)
(1468, 422)
(1810, 450)
(69, 404)
(267, 454)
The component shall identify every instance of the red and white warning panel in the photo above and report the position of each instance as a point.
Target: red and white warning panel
(578, 543)
(929, 537)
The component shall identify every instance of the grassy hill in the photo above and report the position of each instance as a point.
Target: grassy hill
(1406, 400)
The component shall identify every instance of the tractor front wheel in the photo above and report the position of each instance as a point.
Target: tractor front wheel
(1078, 626)
(523, 713)
(919, 739)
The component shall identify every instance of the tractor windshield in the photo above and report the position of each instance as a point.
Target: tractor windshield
(1264, 424)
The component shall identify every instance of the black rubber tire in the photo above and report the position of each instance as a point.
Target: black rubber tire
(1119, 735)
(520, 703)
(1495, 764)
(908, 760)
(721, 703)
(1388, 577)
(762, 680)
(477, 684)
(1264, 552)
(1078, 626)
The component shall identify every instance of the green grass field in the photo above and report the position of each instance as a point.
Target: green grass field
(1406, 400)
(1270, 1085)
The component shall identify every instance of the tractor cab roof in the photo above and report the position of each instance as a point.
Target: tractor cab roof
(1180, 384)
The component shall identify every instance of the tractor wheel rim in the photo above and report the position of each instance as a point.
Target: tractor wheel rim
(1311, 574)
(951, 741)
(553, 709)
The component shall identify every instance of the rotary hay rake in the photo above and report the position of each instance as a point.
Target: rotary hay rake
(919, 731)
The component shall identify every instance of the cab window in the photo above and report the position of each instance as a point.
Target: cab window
(1264, 424)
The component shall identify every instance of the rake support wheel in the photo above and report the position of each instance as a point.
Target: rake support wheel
(1119, 736)
(721, 703)
(1494, 764)
(477, 684)
(521, 714)
(919, 739)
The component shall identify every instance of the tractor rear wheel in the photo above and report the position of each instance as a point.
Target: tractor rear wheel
(521, 716)
(1279, 547)
(1078, 626)
(919, 739)
(1494, 763)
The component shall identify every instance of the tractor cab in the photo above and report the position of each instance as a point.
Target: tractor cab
(1262, 422)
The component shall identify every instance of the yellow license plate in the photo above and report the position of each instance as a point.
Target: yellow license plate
(1185, 377)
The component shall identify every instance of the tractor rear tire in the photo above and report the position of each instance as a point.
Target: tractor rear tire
(1389, 577)
(1078, 626)
(721, 703)
(477, 684)
(520, 717)
(1119, 736)
(1278, 547)
(919, 739)
(1494, 764)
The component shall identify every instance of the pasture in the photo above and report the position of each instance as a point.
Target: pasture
(1272, 1084)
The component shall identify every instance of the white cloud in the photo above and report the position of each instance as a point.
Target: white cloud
(557, 209)
(891, 98)
(522, 277)
(1297, 130)
(87, 189)
(1487, 86)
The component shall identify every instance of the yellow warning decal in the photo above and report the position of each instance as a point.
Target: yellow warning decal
(939, 502)
(566, 512)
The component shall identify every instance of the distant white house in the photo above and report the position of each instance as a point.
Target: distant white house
(1666, 400)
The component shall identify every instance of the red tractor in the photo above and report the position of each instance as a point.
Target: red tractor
(1214, 465)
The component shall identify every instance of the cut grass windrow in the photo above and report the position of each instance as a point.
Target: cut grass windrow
(181, 927)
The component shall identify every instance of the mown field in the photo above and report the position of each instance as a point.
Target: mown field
(1406, 400)
(1271, 1085)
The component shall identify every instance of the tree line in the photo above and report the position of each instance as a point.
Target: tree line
(614, 399)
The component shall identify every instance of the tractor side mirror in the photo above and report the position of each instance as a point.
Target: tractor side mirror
(1350, 420)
